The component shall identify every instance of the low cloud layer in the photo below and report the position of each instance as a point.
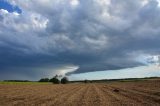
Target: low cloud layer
(91, 35)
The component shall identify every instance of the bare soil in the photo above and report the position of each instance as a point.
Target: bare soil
(141, 93)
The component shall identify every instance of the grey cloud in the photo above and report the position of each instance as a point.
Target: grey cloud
(94, 34)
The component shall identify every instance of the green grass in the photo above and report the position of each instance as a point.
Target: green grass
(6, 82)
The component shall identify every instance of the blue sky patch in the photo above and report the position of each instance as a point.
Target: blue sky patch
(10, 8)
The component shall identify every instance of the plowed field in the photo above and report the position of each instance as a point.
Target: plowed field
(141, 93)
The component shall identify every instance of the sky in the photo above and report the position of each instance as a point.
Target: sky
(81, 39)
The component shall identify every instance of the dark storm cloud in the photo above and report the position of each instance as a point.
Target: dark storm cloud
(94, 35)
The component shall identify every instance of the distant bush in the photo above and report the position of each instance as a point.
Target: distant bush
(44, 80)
(54, 80)
(64, 80)
(86, 81)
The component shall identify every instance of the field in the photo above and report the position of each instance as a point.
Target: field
(139, 93)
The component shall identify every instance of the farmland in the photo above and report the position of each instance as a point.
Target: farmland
(139, 93)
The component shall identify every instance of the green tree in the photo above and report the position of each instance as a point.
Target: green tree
(64, 80)
(86, 81)
(54, 80)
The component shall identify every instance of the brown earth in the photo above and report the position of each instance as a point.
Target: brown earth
(141, 93)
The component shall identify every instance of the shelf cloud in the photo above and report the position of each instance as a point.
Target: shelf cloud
(89, 35)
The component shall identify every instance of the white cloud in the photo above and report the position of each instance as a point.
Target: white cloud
(65, 70)
(74, 2)
(144, 2)
(158, 2)
(38, 22)
(2, 11)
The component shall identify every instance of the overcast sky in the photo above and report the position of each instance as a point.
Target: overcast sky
(41, 38)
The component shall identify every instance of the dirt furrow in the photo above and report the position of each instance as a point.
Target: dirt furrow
(61, 99)
(90, 97)
(117, 99)
(96, 97)
(148, 92)
(104, 100)
(84, 97)
(41, 95)
(138, 97)
(75, 99)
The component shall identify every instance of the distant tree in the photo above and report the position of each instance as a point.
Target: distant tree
(64, 80)
(91, 81)
(54, 80)
(86, 81)
(44, 80)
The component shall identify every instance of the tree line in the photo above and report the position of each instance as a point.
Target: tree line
(55, 80)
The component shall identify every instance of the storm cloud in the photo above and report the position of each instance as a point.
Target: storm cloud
(49, 36)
